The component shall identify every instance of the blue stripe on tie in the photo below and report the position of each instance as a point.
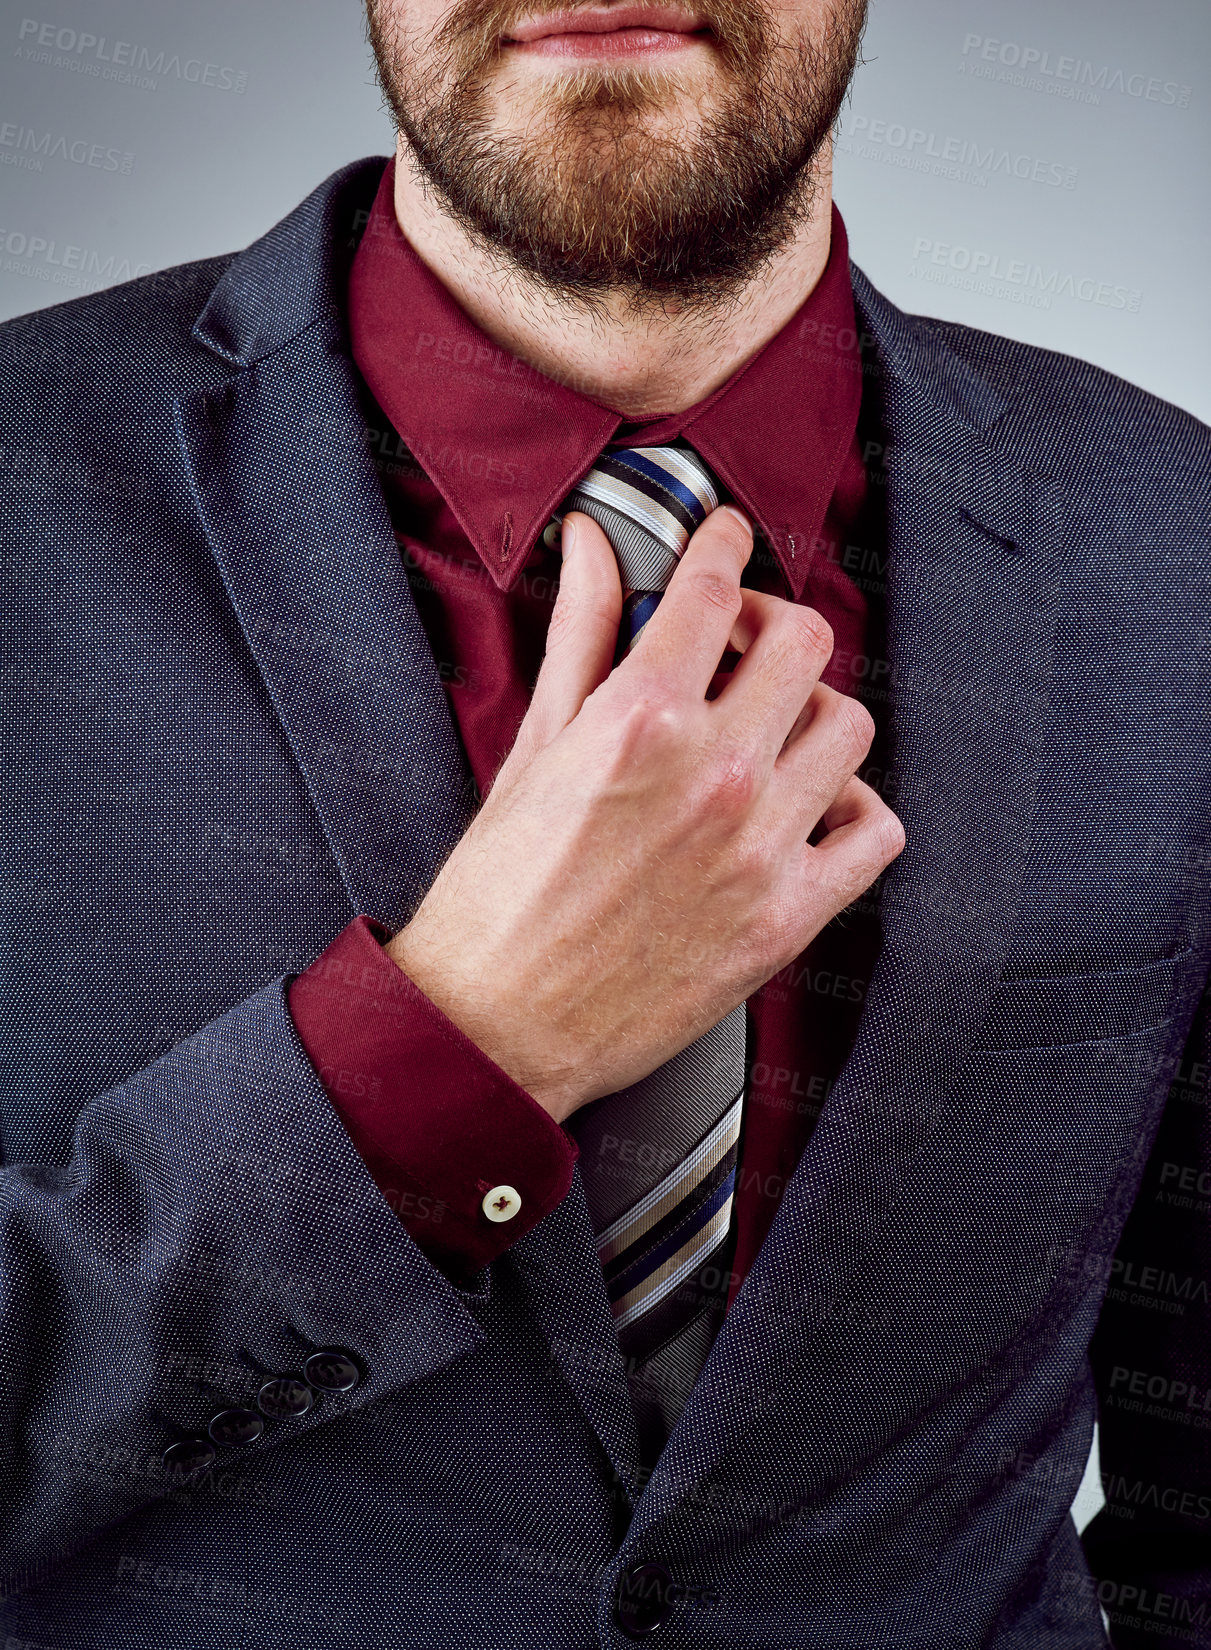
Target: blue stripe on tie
(655, 472)
(647, 1264)
(679, 1215)
(643, 605)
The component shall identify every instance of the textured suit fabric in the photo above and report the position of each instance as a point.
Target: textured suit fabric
(224, 734)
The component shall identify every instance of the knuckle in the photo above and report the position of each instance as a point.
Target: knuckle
(855, 726)
(647, 720)
(714, 590)
(733, 780)
(803, 644)
(888, 832)
(811, 630)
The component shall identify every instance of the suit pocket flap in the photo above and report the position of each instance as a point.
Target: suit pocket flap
(1079, 1008)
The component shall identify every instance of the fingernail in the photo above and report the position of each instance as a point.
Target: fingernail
(731, 510)
(567, 536)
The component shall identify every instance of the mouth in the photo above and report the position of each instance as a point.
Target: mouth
(614, 31)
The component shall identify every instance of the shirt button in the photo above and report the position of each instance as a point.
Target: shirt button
(501, 1203)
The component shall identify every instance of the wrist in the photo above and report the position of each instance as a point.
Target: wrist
(481, 1021)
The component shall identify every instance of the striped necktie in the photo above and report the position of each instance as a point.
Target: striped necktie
(658, 1159)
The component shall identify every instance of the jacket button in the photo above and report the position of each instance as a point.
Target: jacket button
(644, 1600)
(285, 1396)
(187, 1456)
(236, 1426)
(332, 1371)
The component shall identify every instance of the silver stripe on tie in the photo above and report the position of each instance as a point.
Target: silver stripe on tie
(669, 1192)
(629, 501)
(688, 470)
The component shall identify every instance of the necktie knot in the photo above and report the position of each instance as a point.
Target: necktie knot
(648, 501)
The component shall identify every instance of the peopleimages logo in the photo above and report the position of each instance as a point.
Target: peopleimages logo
(1074, 77)
(1017, 278)
(122, 60)
(40, 146)
(964, 160)
(77, 267)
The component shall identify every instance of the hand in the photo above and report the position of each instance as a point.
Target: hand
(641, 863)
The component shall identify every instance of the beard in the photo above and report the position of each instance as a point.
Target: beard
(613, 187)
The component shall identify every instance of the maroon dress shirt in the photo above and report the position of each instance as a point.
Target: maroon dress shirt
(475, 448)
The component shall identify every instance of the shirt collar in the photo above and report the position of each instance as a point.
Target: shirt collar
(504, 444)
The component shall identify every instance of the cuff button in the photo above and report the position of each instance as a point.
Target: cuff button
(236, 1426)
(501, 1203)
(187, 1457)
(283, 1397)
(332, 1371)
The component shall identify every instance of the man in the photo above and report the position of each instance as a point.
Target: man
(501, 1146)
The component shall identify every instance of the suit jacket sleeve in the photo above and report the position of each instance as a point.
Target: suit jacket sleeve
(1150, 1548)
(214, 1229)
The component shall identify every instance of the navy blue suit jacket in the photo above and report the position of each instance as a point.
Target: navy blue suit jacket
(224, 733)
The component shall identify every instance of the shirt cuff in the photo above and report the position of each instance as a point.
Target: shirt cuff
(438, 1124)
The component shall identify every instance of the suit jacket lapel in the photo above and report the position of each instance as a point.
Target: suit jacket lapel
(971, 560)
(289, 500)
(293, 511)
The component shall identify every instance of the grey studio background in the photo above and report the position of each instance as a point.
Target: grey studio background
(1034, 169)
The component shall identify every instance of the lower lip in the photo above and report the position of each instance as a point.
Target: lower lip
(614, 43)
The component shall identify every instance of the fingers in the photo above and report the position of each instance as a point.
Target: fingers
(784, 648)
(863, 837)
(580, 638)
(854, 802)
(830, 741)
(687, 635)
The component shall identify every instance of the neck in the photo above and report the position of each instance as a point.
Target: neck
(640, 365)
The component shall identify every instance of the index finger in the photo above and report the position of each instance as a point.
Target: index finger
(689, 632)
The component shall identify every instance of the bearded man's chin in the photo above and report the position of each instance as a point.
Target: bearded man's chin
(590, 197)
(627, 212)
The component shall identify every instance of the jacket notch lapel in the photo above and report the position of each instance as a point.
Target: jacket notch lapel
(291, 506)
(973, 546)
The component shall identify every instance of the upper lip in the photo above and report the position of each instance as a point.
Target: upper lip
(603, 20)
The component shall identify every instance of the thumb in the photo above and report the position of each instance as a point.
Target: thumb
(581, 637)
